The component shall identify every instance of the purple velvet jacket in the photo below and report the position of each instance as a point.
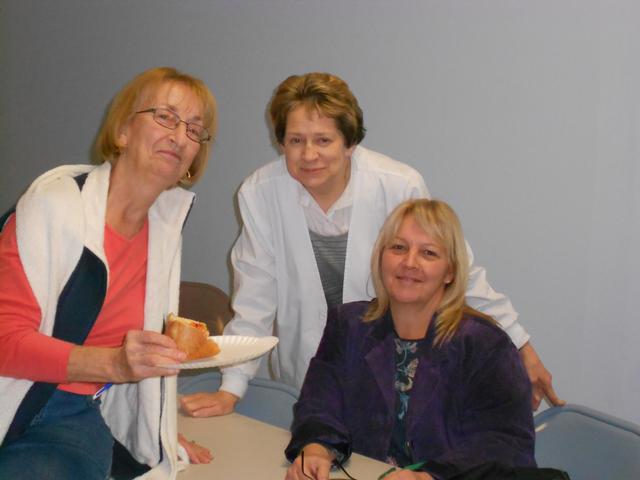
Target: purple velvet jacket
(470, 403)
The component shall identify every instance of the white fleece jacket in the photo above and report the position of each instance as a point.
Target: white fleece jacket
(54, 222)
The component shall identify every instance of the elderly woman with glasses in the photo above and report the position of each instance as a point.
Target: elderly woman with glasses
(89, 267)
(310, 219)
(414, 377)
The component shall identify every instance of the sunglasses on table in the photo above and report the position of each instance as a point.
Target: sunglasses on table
(340, 465)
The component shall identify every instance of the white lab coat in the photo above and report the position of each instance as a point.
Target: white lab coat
(275, 271)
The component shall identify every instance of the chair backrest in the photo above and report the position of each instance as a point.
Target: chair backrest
(266, 400)
(205, 303)
(587, 444)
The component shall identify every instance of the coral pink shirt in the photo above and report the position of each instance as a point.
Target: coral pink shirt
(25, 352)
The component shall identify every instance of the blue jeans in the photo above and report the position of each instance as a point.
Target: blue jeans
(67, 439)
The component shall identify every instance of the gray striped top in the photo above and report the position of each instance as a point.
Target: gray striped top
(330, 252)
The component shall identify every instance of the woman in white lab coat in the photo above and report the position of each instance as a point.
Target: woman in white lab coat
(310, 219)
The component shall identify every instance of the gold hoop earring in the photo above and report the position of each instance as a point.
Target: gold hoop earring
(188, 175)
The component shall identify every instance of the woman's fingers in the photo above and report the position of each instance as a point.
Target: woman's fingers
(540, 377)
(197, 453)
(208, 404)
(316, 464)
(408, 475)
(152, 342)
(147, 354)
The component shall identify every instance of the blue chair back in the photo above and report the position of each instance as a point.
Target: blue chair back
(266, 400)
(587, 444)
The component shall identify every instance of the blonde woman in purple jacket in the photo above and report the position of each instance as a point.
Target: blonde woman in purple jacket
(414, 376)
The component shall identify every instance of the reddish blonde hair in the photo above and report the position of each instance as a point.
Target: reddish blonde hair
(134, 94)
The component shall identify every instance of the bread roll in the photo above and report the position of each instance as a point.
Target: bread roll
(192, 337)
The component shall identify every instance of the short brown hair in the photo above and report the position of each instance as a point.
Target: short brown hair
(132, 97)
(439, 221)
(328, 94)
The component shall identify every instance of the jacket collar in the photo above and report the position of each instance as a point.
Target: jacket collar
(379, 353)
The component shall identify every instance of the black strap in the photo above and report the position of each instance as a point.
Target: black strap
(5, 217)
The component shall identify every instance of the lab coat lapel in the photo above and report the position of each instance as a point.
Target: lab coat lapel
(366, 218)
(302, 269)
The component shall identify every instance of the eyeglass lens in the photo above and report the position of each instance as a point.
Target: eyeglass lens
(171, 120)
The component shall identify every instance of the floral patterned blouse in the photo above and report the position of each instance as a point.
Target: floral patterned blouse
(406, 357)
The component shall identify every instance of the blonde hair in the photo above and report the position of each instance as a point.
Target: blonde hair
(439, 221)
(327, 94)
(131, 98)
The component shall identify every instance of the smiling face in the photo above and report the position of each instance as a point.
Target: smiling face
(316, 154)
(154, 153)
(414, 268)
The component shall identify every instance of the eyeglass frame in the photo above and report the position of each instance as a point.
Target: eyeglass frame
(340, 465)
(153, 110)
(335, 463)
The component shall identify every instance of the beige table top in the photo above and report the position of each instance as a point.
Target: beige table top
(244, 448)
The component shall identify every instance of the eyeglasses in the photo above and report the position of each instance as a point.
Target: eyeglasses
(415, 466)
(336, 462)
(171, 120)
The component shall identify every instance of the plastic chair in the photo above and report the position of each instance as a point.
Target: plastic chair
(205, 303)
(266, 400)
(587, 444)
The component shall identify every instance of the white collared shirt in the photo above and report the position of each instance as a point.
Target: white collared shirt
(337, 219)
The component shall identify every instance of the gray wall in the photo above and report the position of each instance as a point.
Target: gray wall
(522, 114)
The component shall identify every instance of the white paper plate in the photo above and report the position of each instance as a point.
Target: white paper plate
(234, 349)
